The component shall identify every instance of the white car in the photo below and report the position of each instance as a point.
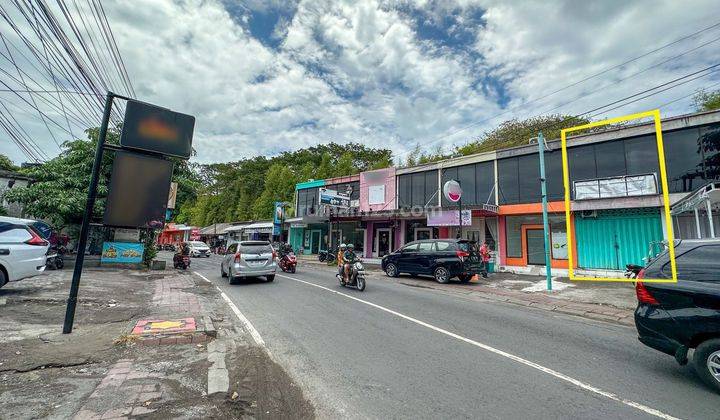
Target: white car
(23, 252)
(198, 249)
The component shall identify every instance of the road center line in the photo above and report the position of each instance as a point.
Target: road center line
(246, 322)
(562, 376)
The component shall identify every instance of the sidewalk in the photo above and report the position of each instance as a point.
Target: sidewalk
(160, 344)
(612, 302)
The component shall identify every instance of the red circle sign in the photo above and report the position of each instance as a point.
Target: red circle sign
(452, 191)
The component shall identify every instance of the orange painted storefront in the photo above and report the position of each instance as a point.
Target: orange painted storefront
(533, 209)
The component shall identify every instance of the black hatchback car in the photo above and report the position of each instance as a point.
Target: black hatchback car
(676, 317)
(441, 258)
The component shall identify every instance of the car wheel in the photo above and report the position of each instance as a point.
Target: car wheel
(271, 277)
(3, 280)
(231, 278)
(391, 270)
(442, 275)
(707, 362)
(222, 272)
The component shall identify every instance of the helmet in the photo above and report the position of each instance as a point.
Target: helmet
(350, 246)
(343, 246)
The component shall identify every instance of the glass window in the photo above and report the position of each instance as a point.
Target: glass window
(431, 188)
(513, 233)
(12, 234)
(418, 189)
(466, 177)
(710, 141)
(410, 247)
(444, 246)
(529, 190)
(404, 192)
(558, 239)
(233, 248)
(508, 181)
(699, 264)
(641, 156)
(425, 246)
(610, 159)
(554, 176)
(484, 182)
(581, 160)
(447, 175)
(683, 160)
(255, 248)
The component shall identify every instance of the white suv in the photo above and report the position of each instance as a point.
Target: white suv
(23, 252)
(199, 249)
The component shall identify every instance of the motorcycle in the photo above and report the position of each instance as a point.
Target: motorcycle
(181, 261)
(632, 271)
(54, 259)
(356, 276)
(288, 262)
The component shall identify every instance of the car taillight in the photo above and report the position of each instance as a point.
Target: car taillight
(643, 295)
(274, 254)
(640, 274)
(36, 239)
(237, 257)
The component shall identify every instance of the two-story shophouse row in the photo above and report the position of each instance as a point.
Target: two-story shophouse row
(616, 199)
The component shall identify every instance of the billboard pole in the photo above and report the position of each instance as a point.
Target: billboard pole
(85, 227)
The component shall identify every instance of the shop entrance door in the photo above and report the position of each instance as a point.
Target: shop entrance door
(535, 246)
(383, 242)
(423, 233)
(315, 241)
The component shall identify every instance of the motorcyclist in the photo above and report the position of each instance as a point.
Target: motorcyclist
(339, 259)
(349, 258)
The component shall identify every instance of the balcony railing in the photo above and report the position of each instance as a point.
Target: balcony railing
(614, 187)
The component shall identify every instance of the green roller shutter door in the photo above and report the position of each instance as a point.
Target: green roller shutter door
(616, 237)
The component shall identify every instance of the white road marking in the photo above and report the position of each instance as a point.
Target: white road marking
(246, 322)
(566, 378)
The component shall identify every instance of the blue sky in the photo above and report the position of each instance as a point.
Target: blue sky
(267, 76)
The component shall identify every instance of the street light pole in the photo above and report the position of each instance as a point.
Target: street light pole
(546, 228)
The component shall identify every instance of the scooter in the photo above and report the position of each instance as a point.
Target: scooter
(54, 259)
(181, 261)
(357, 276)
(632, 271)
(288, 262)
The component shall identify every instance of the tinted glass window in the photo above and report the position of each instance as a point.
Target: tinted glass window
(444, 246)
(10, 234)
(232, 249)
(431, 188)
(418, 189)
(710, 142)
(468, 246)
(466, 177)
(699, 264)
(610, 159)
(683, 160)
(410, 248)
(485, 180)
(581, 161)
(447, 175)
(404, 193)
(508, 181)
(554, 176)
(256, 249)
(425, 246)
(641, 155)
(529, 179)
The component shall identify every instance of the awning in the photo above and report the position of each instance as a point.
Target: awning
(216, 229)
(710, 193)
(258, 227)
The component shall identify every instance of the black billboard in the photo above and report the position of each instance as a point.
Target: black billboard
(154, 129)
(139, 189)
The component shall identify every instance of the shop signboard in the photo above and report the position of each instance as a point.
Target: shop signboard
(449, 218)
(376, 194)
(333, 198)
(452, 191)
(122, 253)
(154, 129)
(278, 218)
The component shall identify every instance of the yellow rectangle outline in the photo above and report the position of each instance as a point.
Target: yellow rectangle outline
(655, 114)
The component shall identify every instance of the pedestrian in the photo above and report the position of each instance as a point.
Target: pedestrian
(485, 257)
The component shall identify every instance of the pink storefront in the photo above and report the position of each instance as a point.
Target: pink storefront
(378, 207)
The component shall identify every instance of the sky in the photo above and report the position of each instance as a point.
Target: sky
(263, 77)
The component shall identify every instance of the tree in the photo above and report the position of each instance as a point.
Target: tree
(7, 164)
(345, 165)
(517, 133)
(706, 101)
(418, 157)
(279, 186)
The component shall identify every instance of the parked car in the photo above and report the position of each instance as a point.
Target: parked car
(199, 249)
(441, 258)
(23, 252)
(249, 259)
(676, 317)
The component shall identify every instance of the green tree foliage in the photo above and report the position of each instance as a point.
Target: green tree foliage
(419, 157)
(706, 101)
(517, 133)
(7, 164)
(247, 189)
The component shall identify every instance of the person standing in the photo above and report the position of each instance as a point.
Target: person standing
(485, 258)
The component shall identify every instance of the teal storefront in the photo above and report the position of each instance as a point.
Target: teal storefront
(610, 239)
(309, 236)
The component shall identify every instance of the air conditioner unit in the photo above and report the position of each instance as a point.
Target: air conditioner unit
(588, 213)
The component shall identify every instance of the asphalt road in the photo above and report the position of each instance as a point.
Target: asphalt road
(396, 351)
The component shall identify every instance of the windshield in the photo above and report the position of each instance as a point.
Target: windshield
(197, 244)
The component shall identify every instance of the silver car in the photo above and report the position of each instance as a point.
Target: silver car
(22, 250)
(249, 259)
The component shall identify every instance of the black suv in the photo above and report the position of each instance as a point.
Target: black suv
(675, 317)
(441, 258)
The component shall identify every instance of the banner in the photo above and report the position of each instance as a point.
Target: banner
(278, 218)
(122, 253)
(333, 198)
(449, 218)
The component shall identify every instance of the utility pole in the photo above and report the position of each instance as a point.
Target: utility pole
(546, 224)
(460, 212)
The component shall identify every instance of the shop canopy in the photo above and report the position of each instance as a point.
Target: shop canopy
(258, 227)
(705, 200)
